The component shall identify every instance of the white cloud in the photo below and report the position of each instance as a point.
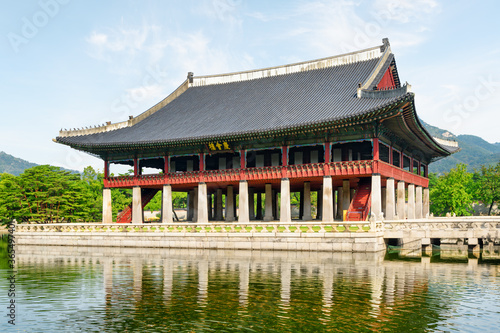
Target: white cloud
(405, 11)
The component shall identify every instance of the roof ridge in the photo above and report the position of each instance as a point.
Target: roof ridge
(333, 61)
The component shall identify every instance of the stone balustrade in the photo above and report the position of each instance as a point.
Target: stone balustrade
(244, 228)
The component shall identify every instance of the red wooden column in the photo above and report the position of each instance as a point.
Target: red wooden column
(376, 154)
(106, 169)
(328, 148)
(411, 164)
(390, 155)
(401, 160)
(284, 155)
(136, 167)
(243, 160)
(167, 164)
(202, 162)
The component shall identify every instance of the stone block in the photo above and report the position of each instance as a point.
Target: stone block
(359, 247)
(472, 241)
(426, 241)
(324, 246)
(346, 247)
(280, 246)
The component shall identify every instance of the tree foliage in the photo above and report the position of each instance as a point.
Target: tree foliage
(487, 185)
(452, 192)
(48, 194)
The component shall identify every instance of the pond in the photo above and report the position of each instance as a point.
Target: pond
(69, 289)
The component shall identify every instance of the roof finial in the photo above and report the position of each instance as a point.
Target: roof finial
(190, 77)
(386, 43)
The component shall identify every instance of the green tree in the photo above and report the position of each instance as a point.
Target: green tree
(11, 198)
(487, 181)
(453, 192)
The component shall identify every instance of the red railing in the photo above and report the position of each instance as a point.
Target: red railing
(345, 168)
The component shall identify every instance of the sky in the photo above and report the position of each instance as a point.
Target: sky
(71, 64)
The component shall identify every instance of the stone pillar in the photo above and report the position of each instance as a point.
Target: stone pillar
(384, 201)
(136, 205)
(229, 204)
(319, 204)
(307, 202)
(301, 204)
(376, 196)
(166, 205)
(268, 212)
(190, 205)
(327, 212)
(202, 203)
(401, 200)
(418, 203)
(210, 206)
(390, 200)
(411, 201)
(276, 208)
(195, 205)
(425, 208)
(251, 203)
(107, 212)
(346, 196)
(259, 206)
(244, 213)
(340, 194)
(218, 205)
(285, 210)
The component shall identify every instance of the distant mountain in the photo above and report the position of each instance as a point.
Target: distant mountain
(13, 165)
(16, 166)
(474, 151)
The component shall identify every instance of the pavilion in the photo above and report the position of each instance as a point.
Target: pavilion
(343, 126)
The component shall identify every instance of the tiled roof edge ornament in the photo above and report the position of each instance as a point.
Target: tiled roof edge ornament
(386, 51)
(389, 93)
(339, 60)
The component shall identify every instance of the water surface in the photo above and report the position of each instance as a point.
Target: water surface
(69, 289)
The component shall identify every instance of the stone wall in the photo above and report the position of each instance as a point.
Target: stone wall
(331, 242)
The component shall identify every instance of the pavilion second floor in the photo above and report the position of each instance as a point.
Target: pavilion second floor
(346, 159)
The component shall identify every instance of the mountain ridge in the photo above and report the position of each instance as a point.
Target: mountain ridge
(15, 165)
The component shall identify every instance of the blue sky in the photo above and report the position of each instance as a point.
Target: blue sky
(69, 63)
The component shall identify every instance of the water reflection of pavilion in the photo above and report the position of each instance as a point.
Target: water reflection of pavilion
(317, 285)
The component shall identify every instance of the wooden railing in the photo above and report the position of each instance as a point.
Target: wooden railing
(345, 168)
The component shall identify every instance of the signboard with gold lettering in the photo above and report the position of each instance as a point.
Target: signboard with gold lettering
(218, 145)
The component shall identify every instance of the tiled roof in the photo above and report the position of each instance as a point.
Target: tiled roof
(257, 105)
